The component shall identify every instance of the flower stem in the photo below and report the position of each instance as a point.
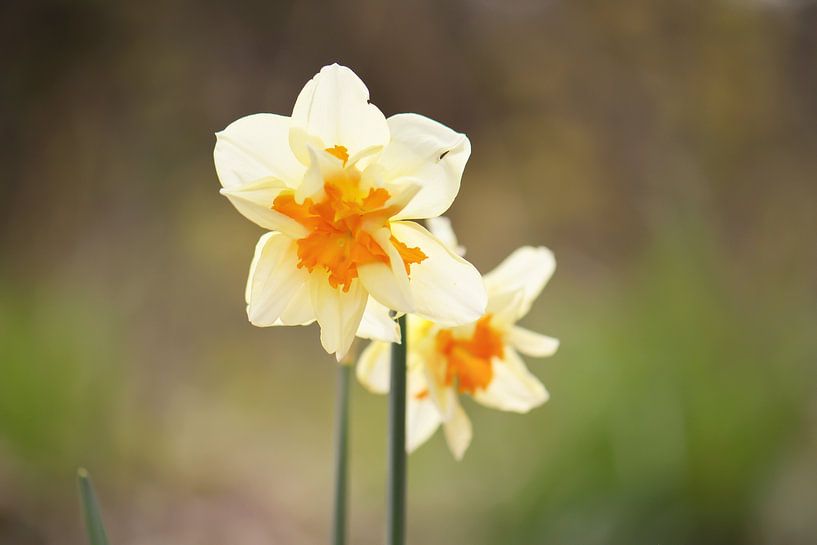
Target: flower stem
(396, 514)
(341, 454)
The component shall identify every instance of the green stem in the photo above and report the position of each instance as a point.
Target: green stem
(90, 510)
(396, 514)
(341, 455)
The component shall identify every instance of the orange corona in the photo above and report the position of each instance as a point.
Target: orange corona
(340, 226)
(469, 359)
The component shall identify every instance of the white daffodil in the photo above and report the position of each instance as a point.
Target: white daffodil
(481, 359)
(335, 184)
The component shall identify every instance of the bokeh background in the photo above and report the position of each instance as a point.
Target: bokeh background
(666, 152)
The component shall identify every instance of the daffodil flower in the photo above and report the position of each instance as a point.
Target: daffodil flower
(336, 185)
(481, 359)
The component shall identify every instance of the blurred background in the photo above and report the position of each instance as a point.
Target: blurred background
(666, 152)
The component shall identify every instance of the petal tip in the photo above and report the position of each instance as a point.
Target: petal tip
(459, 454)
(253, 318)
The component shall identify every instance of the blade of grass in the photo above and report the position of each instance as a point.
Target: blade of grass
(396, 498)
(90, 510)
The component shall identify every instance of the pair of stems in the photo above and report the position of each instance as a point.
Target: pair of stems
(396, 485)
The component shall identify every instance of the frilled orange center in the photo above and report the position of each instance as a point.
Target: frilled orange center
(340, 226)
(469, 359)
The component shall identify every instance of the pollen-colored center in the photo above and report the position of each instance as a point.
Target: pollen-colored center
(469, 359)
(340, 226)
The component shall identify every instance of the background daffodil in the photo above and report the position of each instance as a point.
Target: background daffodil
(481, 359)
(336, 185)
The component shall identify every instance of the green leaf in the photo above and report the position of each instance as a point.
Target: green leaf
(90, 510)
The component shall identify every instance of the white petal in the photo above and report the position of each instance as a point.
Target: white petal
(422, 420)
(388, 284)
(503, 306)
(527, 269)
(441, 228)
(338, 312)
(322, 165)
(422, 416)
(274, 278)
(513, 387)
(445, 288)
(334, 106)
(377, 324)
(363, 158)
(531, 343)
(373, 367)
(299, 311)
(458, 431)
(429, 153)
(402, 195)
(254, 201)
(442, 395)
(256, 147)
(300, 141)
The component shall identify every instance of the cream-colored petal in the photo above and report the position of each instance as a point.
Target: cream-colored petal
(422, 420)
(527, 269)
(338, 312)
(365, 157)
(373, 367)
(377, 324)
(256, 147)
(504, 308)
(458, 432)
(299, 311)
(388, 284)
(424, 151)
(254, 202)
(441, 228)
(422, 415)
(513, 387)
(334, 106)
(445, 288)
(300, 141)
(442, 395)
(274, 278)
(322, 166)
(402, 195)
(531, 343)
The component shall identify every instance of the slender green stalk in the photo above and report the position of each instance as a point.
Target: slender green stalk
(341, 455)
(90, 510)
(396, 500)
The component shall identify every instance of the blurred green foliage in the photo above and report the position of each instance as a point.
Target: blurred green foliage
(60, 376)
(684, 411)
